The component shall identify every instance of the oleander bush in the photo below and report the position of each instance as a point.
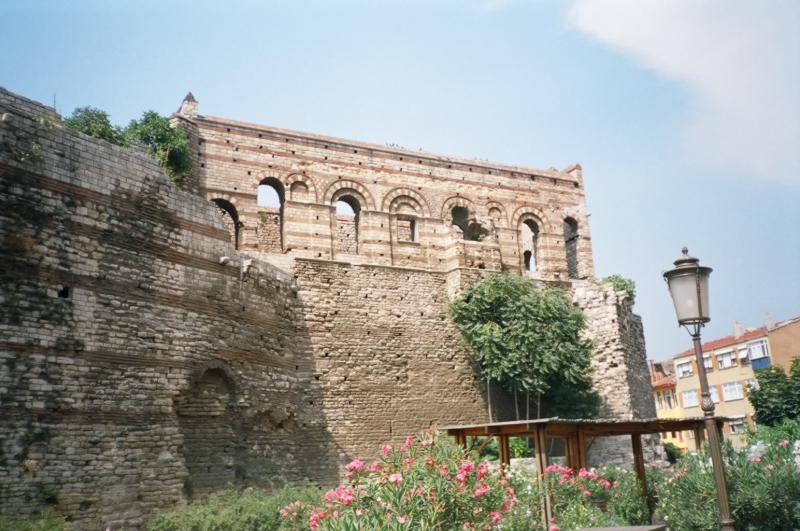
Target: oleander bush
(763, 484)
(46, 522)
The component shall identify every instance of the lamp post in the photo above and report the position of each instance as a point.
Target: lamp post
(688, 286)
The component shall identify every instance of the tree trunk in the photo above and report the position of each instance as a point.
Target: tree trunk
(489, 398)
(516, 404)
(539, 406)
(527, 406)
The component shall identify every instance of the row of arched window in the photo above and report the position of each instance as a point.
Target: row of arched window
(271, 199)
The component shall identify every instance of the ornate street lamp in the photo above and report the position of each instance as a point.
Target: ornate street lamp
(688, 286)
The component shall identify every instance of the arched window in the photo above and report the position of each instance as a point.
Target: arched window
(571, 246)
(270, 215)
(347, 218)
(231, 219)
(529, 239)
(460, 217)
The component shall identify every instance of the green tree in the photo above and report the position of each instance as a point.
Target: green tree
(777, 396)
(167, 144)
(96, 123)
(621, 283)
(528, 340)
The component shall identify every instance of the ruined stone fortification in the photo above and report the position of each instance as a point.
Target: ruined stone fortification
(156, 345)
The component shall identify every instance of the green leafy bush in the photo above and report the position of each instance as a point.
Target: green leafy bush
(167, 144)
(96, 123)
(231, 510)
(673, 452)
(430, 483)
(777, 395)
(47, 522)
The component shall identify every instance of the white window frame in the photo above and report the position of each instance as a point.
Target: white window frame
(760, 345)
(691, 434)
(728, 355)
(712, 391)
(668, 403)
(737, 420)
(679, 369)
(691, 392)
(707, 363)
(736, 396)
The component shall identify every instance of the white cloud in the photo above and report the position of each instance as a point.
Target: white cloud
(740, 59)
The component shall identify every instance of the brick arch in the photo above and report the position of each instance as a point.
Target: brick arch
(198, 372)
(218, 195)
(287, 181)
(533, 212)
(457, 201)
(299, 177)
(362, 194)
(504, 214)
(390, 201)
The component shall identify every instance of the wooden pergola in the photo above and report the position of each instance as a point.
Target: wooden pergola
(575, 433)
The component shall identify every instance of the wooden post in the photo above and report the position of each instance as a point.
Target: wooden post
(699, 436)
(461, 439)
(638, 461)
(540, 438)
(505, 450)
(581, 443)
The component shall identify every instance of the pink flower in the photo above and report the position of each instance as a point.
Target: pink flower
(483, 469)
(375, 467)
(482, 489)
(461, 477)
(396, 479)
(755, 459)
(410, 440)
(495, 516)
(402, 519)
(587, 493)
(554, 528)
(428, 442)
(443, 470)
(769, 468)
(408, 462)
(355, 464)
(784, 443)
(385, 449)
(359, 512)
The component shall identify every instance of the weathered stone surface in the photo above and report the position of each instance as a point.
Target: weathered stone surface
(140, 367)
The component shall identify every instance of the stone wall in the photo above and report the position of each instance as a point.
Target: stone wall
(137, 369)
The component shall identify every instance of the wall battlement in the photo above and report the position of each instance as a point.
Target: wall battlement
(146, 359)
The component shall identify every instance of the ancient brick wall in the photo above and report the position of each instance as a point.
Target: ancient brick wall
(147, 360)
(136, 368)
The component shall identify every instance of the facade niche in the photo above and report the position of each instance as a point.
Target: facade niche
(347, 217)
(231, 219)
(205, 419)
(571, 246)
(271, 204)
(529, 239)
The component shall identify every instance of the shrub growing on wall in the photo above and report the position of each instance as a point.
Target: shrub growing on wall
(167, 144)
(96, 123)
(528, 340)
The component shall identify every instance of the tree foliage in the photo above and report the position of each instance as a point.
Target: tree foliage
(528, 340)
(777, 395)
(96, 123)
(167, 144)
(621, 283)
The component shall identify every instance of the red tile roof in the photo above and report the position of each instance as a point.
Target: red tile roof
(728, 341)
(669, 381)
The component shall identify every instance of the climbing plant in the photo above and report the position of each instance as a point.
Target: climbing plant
(528, 340)
(621, 283)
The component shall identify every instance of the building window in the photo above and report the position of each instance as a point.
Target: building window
(690, 398)
(712, 391)
(758, 350)
(684, 369)
(726, 360)
(668, 399)
(660, 400)
(707, 363)
(732, 391)
(737, 425)
(571, 246)
(691, 434)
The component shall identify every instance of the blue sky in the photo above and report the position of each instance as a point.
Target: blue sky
(683, 113)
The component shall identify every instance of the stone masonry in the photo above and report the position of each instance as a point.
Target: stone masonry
(158, 343)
